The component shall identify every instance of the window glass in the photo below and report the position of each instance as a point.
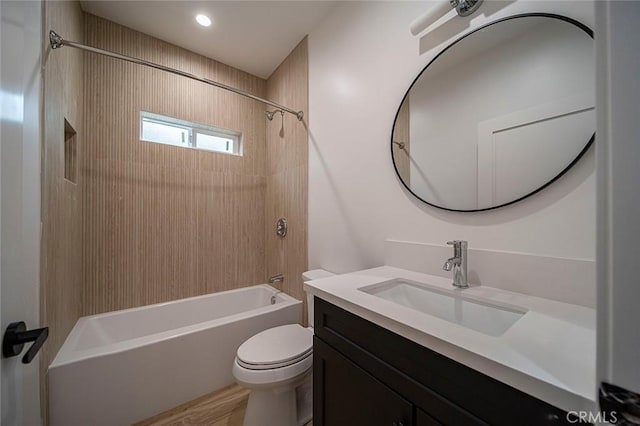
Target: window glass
(164, 133)
(214, 143)
(171, 131)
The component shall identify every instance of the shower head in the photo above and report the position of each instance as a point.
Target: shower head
(270, 114)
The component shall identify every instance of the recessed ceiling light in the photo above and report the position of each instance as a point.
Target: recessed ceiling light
(203, 20)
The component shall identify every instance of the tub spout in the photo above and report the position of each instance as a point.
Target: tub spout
(276, 279)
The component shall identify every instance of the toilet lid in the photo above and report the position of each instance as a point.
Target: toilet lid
(276, 347)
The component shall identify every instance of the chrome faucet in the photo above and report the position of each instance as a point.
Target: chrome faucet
(459, 263)
(276, 279)
(273, 280)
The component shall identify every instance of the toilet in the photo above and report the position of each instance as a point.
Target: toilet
(276, 366)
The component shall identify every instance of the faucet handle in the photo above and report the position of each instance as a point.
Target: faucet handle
(455, 243)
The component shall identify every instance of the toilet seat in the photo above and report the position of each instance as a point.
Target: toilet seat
(276, 348)
(273, 377)
(275, 357)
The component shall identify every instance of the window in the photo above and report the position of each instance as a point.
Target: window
(171, 131)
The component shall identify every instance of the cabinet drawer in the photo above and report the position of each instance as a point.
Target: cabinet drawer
(434, 383)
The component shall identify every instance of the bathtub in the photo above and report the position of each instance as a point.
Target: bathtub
(121, 367)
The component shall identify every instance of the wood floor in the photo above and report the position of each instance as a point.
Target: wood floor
(222, 408)
(225, 407)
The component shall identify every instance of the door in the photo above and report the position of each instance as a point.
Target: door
(618, 171)
(513, 149)
(20, 103)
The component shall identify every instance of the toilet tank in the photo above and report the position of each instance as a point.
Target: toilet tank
(314, 274)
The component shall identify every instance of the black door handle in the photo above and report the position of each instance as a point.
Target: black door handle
(17, 335)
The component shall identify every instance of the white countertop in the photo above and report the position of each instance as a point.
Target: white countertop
(549, 353)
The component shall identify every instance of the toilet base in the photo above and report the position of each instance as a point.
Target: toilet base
(304, 400)
(287, 405)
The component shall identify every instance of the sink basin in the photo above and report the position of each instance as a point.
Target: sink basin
(481, 316)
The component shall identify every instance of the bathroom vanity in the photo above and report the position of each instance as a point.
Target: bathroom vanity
(385, 361)
(397, 347)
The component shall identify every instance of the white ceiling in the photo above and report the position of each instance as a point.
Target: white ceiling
(254, 36)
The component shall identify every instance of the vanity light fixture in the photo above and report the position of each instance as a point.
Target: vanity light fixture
(441, 8)
(465, 7)
(203, 20)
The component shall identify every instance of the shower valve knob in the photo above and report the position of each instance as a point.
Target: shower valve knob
(281, 227)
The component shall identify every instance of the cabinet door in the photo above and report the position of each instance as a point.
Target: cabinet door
(344, 394)
(423, 419)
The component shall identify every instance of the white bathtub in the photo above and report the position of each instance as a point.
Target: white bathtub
(125, 366)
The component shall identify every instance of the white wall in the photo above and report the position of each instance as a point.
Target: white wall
(362, 59)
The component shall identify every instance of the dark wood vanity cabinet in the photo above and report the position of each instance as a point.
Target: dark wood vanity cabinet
(351, 396)
(366, 375)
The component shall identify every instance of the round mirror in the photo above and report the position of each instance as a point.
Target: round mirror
(498, 115)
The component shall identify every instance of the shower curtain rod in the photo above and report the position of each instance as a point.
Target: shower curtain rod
(57, 41)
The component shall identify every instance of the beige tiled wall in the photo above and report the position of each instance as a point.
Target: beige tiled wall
(164, 222)
(61, 268)
(287, 172)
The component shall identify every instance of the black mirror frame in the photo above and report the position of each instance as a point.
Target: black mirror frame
(578, 24)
